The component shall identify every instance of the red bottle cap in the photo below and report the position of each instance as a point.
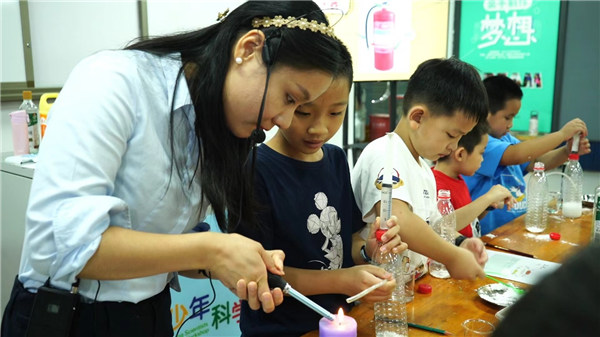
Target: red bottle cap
(424, 288)
(379, 233)
(554, 236)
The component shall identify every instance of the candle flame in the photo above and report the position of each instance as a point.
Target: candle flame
(340, 316)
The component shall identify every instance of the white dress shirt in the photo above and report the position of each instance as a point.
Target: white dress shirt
(105, 161)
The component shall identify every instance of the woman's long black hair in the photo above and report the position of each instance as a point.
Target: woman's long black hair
(224, 180)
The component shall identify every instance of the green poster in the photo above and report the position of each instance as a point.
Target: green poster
(518, 38)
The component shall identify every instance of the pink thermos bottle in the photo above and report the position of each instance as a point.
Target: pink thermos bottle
(20, 133)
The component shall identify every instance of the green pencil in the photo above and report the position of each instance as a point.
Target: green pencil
(427, 328)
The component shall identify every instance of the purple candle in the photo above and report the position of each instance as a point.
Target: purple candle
(341, 326)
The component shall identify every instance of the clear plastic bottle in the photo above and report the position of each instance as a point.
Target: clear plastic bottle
(390, 315)
(536, 218)
(572, 190)
(445, 227)
(33, 118)
(596, 217)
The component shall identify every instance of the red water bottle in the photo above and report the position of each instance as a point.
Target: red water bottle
(384, 21)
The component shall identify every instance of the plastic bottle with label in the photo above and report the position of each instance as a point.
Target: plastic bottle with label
(536, 218)
(596, 218)
(390, 315)
(445, 228)
(33, 124)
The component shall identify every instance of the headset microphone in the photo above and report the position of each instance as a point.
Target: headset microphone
(270, 48)
(258, 135)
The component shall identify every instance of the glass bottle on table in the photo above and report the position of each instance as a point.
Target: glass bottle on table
(536, 218)
(444, 227)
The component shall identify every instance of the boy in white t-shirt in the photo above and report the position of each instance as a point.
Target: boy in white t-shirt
(444, 100)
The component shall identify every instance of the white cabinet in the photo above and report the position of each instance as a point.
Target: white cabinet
(15, 182)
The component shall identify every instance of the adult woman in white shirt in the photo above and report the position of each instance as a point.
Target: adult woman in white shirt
(140, 141)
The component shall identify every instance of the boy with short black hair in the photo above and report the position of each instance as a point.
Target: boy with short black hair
(465, 160)
(507, 160)
(444, 100)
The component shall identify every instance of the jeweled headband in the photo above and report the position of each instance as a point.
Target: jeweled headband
(292, 22)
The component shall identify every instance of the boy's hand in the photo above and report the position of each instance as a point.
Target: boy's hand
(391, 238)
(463, 264)
(500, 196)
(358, 278)
(584, 146)
(573, 127)
(477, 247)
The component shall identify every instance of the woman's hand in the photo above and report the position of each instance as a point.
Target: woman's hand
(241, 265)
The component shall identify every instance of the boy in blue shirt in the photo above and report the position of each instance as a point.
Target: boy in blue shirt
(507, 160)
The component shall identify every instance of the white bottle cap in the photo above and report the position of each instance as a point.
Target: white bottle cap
(443, 194)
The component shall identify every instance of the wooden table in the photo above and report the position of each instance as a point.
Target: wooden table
(575, 233)
(453, 301)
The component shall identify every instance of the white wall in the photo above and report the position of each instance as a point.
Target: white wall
(63, 32)
(13, 62)
(5, 126)
(167, 17)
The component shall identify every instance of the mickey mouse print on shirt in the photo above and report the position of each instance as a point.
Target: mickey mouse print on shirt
(329, 224)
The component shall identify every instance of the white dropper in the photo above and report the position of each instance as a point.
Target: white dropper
(575, 145)
(386, 184)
